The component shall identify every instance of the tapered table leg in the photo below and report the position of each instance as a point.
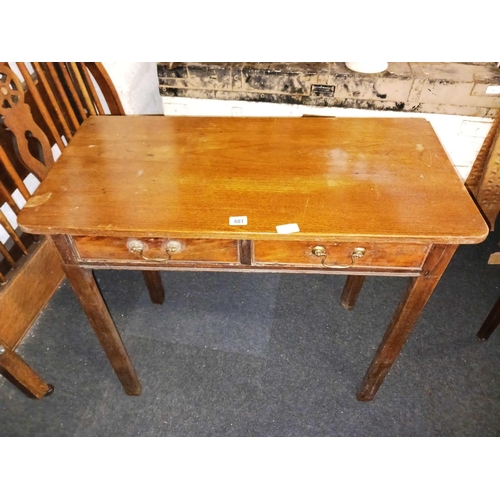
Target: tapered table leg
(490, 323)
(85, 287)
(155, 286)
(415, 297)
(351, 291)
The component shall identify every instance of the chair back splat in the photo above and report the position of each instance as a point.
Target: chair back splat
(42, 105)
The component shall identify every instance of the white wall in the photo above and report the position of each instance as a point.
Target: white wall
(137, 86)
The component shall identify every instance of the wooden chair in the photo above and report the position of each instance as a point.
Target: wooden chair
(18, 122)
(43, 111)
(493, 319)
(490, 323)
(484, 185)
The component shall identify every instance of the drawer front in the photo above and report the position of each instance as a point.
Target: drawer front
(157, 250)
(300, 253)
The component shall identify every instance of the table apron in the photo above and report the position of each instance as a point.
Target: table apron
(381, 258)
(249, 269)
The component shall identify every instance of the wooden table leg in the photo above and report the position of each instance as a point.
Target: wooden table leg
(23, 374)
(490, 323)
(415, 297)
(86, 289)
(351, 291)
(155, 286)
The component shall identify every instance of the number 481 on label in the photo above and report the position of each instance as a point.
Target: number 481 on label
(241, 220)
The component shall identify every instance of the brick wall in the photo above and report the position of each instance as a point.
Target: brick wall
(470, 89)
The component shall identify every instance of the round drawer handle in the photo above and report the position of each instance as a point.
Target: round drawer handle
(173, 247)
(356, 254)
(137, 247)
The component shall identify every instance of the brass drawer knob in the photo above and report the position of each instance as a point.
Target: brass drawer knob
(138, 247)
(173, 247)
(320, 251)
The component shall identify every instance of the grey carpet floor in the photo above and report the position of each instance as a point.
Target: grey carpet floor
(233, 354)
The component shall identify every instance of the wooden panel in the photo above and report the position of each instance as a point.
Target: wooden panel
(377, 254)
(96, 248)
(382, 179)
(28, 290)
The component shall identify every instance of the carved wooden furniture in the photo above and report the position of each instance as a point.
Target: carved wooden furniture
(43, 110)
(16, 117)
(484, 179)
(309, 195)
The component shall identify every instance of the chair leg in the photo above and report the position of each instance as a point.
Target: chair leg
(351, 291)
(155, 286)
(490, 323)
(23, 374)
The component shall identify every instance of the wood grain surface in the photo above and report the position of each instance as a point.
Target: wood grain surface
(391, 255)
(197, 250)
(379, 179)
(28, 290)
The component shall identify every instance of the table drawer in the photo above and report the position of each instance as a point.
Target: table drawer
(300, 253)
(156, 249)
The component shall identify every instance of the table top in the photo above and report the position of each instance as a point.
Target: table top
(155, 176)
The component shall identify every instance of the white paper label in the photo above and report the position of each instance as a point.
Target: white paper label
(240, 220)
(493, 89)
(288, 228)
